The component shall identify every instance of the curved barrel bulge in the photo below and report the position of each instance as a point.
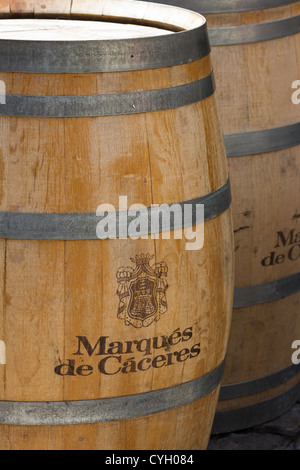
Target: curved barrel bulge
(116, 235)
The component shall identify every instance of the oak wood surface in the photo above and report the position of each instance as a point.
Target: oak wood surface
(53, 292)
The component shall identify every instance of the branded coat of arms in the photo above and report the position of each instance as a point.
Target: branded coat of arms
(142, 291)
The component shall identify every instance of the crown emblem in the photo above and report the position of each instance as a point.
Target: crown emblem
(142, 259)
(142, 291)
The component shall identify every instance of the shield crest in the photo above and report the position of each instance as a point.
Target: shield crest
(142, 291)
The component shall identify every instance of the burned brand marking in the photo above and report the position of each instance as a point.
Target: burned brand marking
(129, 356)
(290, 242)
(142, 291)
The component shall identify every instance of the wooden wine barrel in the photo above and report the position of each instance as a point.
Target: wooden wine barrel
(110, 342)
(263, 143)
(255, 54)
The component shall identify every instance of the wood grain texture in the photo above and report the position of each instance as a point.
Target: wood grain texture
(271, 350)
(266, 222)
(55, 292)
(40, 7)
(64, 29)
(4, 8)
(113, 82)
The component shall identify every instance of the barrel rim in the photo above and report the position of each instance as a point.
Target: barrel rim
(254, 33)
(208, 7)
(190, 43)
